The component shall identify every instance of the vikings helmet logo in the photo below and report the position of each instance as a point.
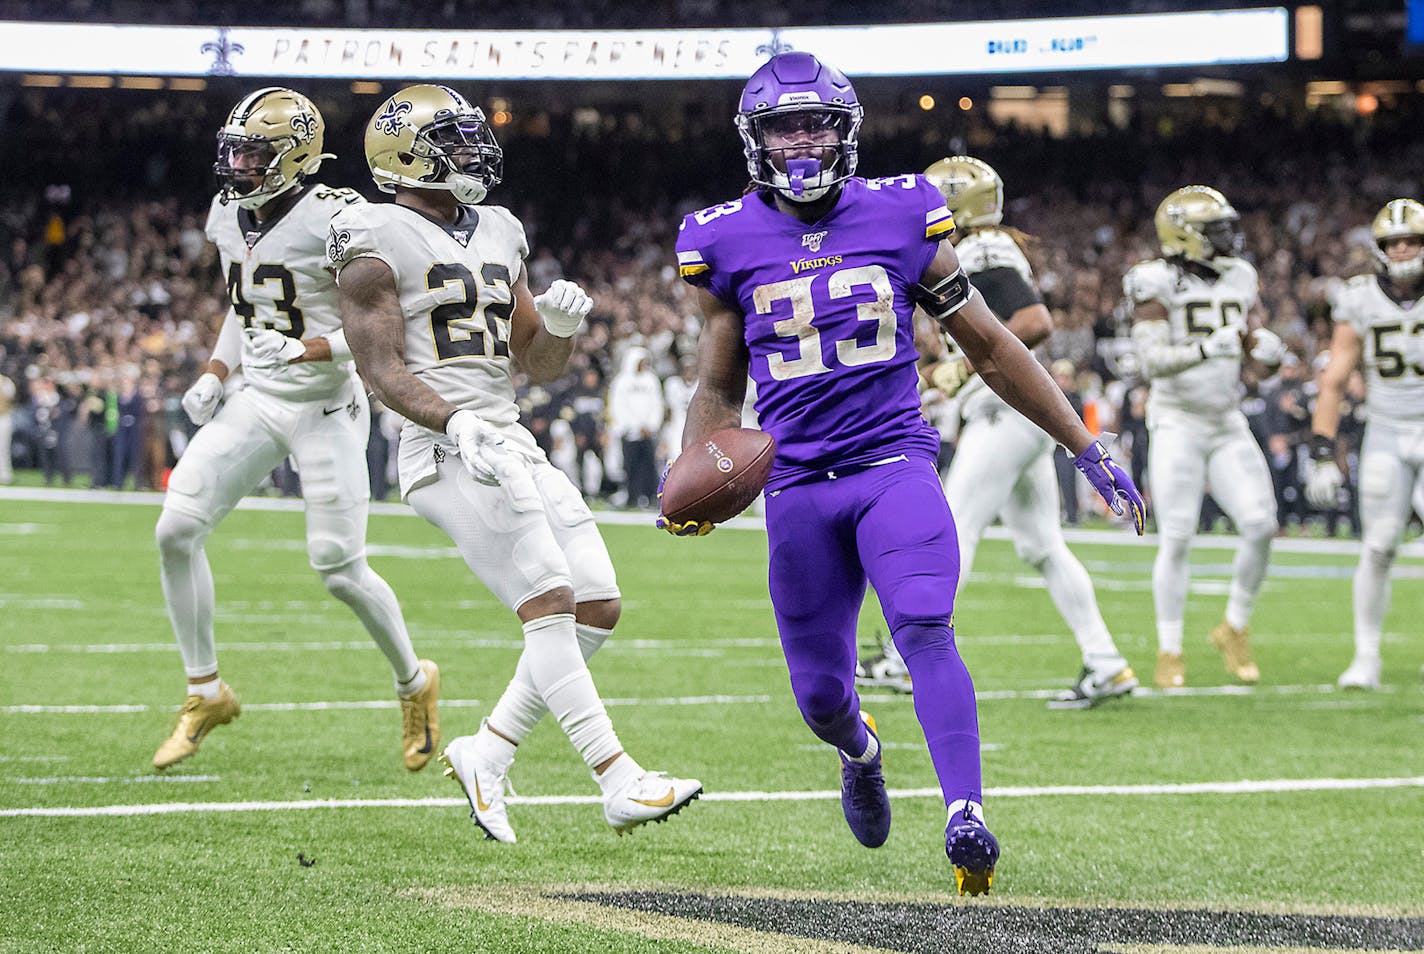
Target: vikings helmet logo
(392, 118)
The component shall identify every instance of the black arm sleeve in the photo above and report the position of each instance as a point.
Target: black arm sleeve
(1005, 291)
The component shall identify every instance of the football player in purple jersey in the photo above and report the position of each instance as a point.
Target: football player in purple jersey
(808, 283)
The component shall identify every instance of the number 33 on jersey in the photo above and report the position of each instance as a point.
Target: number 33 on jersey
(828, 312)
(455, 292)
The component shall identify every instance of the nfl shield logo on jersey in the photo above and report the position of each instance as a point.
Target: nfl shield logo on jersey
(812, 240)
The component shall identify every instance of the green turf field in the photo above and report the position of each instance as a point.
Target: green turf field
(1089, 806)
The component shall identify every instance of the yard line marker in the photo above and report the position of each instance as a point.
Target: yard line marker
(106, 780)
(1242, 787)
(1114, 537)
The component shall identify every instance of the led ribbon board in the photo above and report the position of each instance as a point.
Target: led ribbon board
(920, 49)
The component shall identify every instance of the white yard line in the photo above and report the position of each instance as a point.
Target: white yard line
(108, 780)
(1242, 787)
(984, 695)
(623, 518)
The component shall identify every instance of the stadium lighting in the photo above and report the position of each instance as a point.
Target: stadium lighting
(965, 103)
(927, 102)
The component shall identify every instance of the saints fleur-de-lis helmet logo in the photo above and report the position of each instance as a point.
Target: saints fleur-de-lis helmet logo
(305, 126)
(392, 117)
(271, 141)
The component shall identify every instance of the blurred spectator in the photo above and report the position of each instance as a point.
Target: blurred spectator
(1063, 371)
(635, 418)
(7, 427)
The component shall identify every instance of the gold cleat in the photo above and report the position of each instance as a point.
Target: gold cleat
(420, 720)
(1171, 671)
(973, 882)
(1235, 648)
(199, 716)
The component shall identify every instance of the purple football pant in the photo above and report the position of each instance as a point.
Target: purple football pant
(889, 524)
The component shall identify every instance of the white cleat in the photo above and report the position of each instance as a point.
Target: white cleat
(483, 783)
(651, 797)
(1095, 686)
(1364, 673)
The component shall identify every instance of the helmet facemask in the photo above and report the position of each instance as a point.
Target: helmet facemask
(249, 168)
(465, 155)
(1223, 236)
(801, 150)
(1404, 271)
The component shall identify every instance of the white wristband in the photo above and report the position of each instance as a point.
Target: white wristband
(340, 350)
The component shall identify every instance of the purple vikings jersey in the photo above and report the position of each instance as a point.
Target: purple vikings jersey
(829, 317)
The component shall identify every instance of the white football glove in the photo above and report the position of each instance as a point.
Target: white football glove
(272, 348)
(1322, 487)
(950, 375)
(1268, 348)
(479, 444)
(1224, 342)
(201, 400)
(563, 308)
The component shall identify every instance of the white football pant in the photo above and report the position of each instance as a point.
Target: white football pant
(1003, 467)
(1391, 480)
(252, 434)
(1188, 452)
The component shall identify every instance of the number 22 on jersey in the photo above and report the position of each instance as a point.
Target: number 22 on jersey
(474, 326)
(800, 326)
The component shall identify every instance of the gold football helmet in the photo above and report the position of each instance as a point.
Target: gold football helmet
(1401, 218)
(272, 139)
(971, 188)
(1198, 224)
(431, 137)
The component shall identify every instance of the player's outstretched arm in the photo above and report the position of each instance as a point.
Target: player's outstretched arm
(722, 362)
(375, 330)
(542, 330)
(1014, 374)
(1003, 361)
(1323, 484)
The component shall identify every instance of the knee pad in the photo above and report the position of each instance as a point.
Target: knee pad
(1174, 547)
(328, 554)
(916, 636)
(923, 599)
(822, 699)
(179, 531)
(1379, 557)
(1032, 552)
(1262, 527)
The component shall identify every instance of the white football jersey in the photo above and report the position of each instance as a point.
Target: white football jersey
(456, 294)
(1392, 348)
(1196, 307)
(277, 278)
(978, 252)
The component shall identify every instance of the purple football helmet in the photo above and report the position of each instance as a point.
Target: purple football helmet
(795, 96)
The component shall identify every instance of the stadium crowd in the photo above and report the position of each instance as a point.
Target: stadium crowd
(109, 298)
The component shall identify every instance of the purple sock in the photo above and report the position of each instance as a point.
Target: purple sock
(945, 706)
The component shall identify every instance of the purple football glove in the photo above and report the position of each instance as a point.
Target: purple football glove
(1112, 483)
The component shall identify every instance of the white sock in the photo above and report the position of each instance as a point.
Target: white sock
(959, 805)
(1248, 571)
(1071, 589)
(188, 589)
(1171, 574)
(624, 769)
(375, 605)
(1372, 594)
(208, 690)
(561, 676)
(494, 747)
(413, 685)
(872, 749)
(521, 707)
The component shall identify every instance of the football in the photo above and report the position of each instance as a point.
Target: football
(719, 477)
